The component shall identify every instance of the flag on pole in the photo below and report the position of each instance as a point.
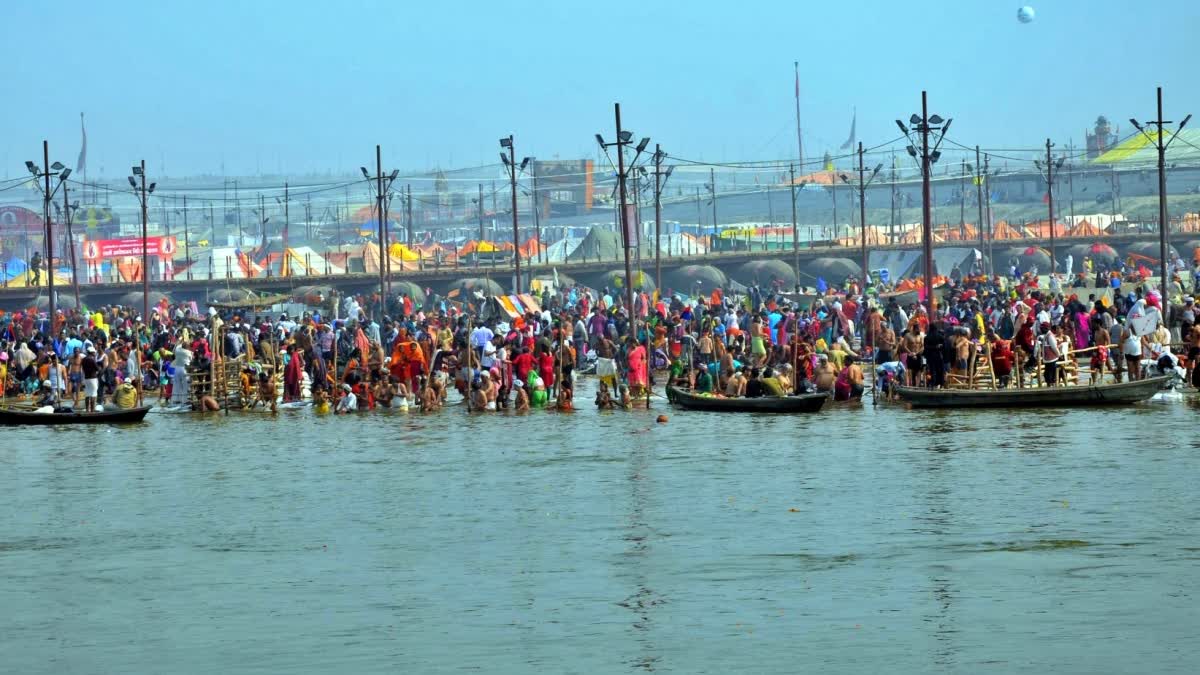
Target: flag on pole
(853, 123)
(82, 149)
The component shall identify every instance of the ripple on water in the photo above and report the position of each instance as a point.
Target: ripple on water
(875, 538)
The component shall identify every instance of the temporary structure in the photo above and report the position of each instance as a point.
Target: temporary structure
(225, 262)
(692, 278)
(767, 273)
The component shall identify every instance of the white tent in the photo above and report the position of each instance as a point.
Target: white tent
(561, 249)
(223, 262)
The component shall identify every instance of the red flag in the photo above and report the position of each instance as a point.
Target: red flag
(1046, 198)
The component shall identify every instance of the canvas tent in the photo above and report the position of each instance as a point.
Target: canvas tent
(599, 244)
(301, 261)
(226, 262)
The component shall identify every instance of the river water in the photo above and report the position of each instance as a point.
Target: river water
(859, 540)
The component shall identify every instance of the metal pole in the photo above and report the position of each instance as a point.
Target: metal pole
(625, 225)
(926, 209)
(382, 244)
(387, 237)
(862, 215)
(1162, 201)
(512, 173)
(833, 193)
(799, 137)
(1071, 180)
(712, 176)
(979, 198)
(537, 206)
(987, 196)
(962, 200)
(795, 227)
(1050, 200)
(480, 224)
(145, 255)
(408, 207)
(286, 216)
(187, 242)
(71, 245)
(658, 217)
(49, 236)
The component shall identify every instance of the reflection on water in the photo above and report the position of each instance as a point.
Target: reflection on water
(864, 539)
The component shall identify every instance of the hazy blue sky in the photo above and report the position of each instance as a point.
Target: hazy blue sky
(310, 86)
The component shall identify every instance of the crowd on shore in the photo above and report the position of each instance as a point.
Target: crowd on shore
(763, 341)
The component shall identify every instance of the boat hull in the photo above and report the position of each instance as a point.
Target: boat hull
(1124, 393)
(806, 403)
(15, 418)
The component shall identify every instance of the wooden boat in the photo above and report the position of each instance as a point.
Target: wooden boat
(902, 298)
(805, 403)
(1123, 393)
(12, 417)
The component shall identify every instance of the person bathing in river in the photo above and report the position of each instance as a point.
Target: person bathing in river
(849, 383)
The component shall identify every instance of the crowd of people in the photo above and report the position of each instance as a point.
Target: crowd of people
(760, 342)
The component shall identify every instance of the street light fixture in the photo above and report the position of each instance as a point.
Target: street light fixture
(1161, 144)
(510, 162)
(924, 124)
(140, 171)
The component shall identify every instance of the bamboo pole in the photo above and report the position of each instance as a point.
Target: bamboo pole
(470, 358)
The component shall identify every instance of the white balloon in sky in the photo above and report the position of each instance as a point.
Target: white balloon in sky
(1025, 14)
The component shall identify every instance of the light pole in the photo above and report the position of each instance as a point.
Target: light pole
(187, 242)
(925, 124)
(795, 226)
(660, 181)
(143, 192)
(978, 180)
(863, 182)
(381, 215)
(626, 220)
(479, 211)
(510, 162)
(69, 210)
(1161, 144)
(1050, 167)
(48, 170)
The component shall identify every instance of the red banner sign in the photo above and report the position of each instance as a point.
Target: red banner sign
(100, 249)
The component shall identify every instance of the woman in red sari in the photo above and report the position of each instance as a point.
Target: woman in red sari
(638, 375)
(293, 375)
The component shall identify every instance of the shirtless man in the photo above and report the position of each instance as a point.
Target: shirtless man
(522, 404)
(1191, 342)
(606, 364)
(885, 343)
(429, 398)
(912, 345)
(825, 375)
(266, 392)
(385, 391)
(478, 398)
(736, 387)
(962, 354)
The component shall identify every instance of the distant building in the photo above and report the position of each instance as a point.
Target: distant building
(565, 187)
(1101, 140)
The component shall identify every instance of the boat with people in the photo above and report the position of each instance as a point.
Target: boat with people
(1121, 393)
(12, 417)
(802, 403)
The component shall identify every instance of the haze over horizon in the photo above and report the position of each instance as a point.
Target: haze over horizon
(305, 87)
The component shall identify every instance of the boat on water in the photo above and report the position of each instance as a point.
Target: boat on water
(804, 403)
(1121, 393)
(13, 417)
